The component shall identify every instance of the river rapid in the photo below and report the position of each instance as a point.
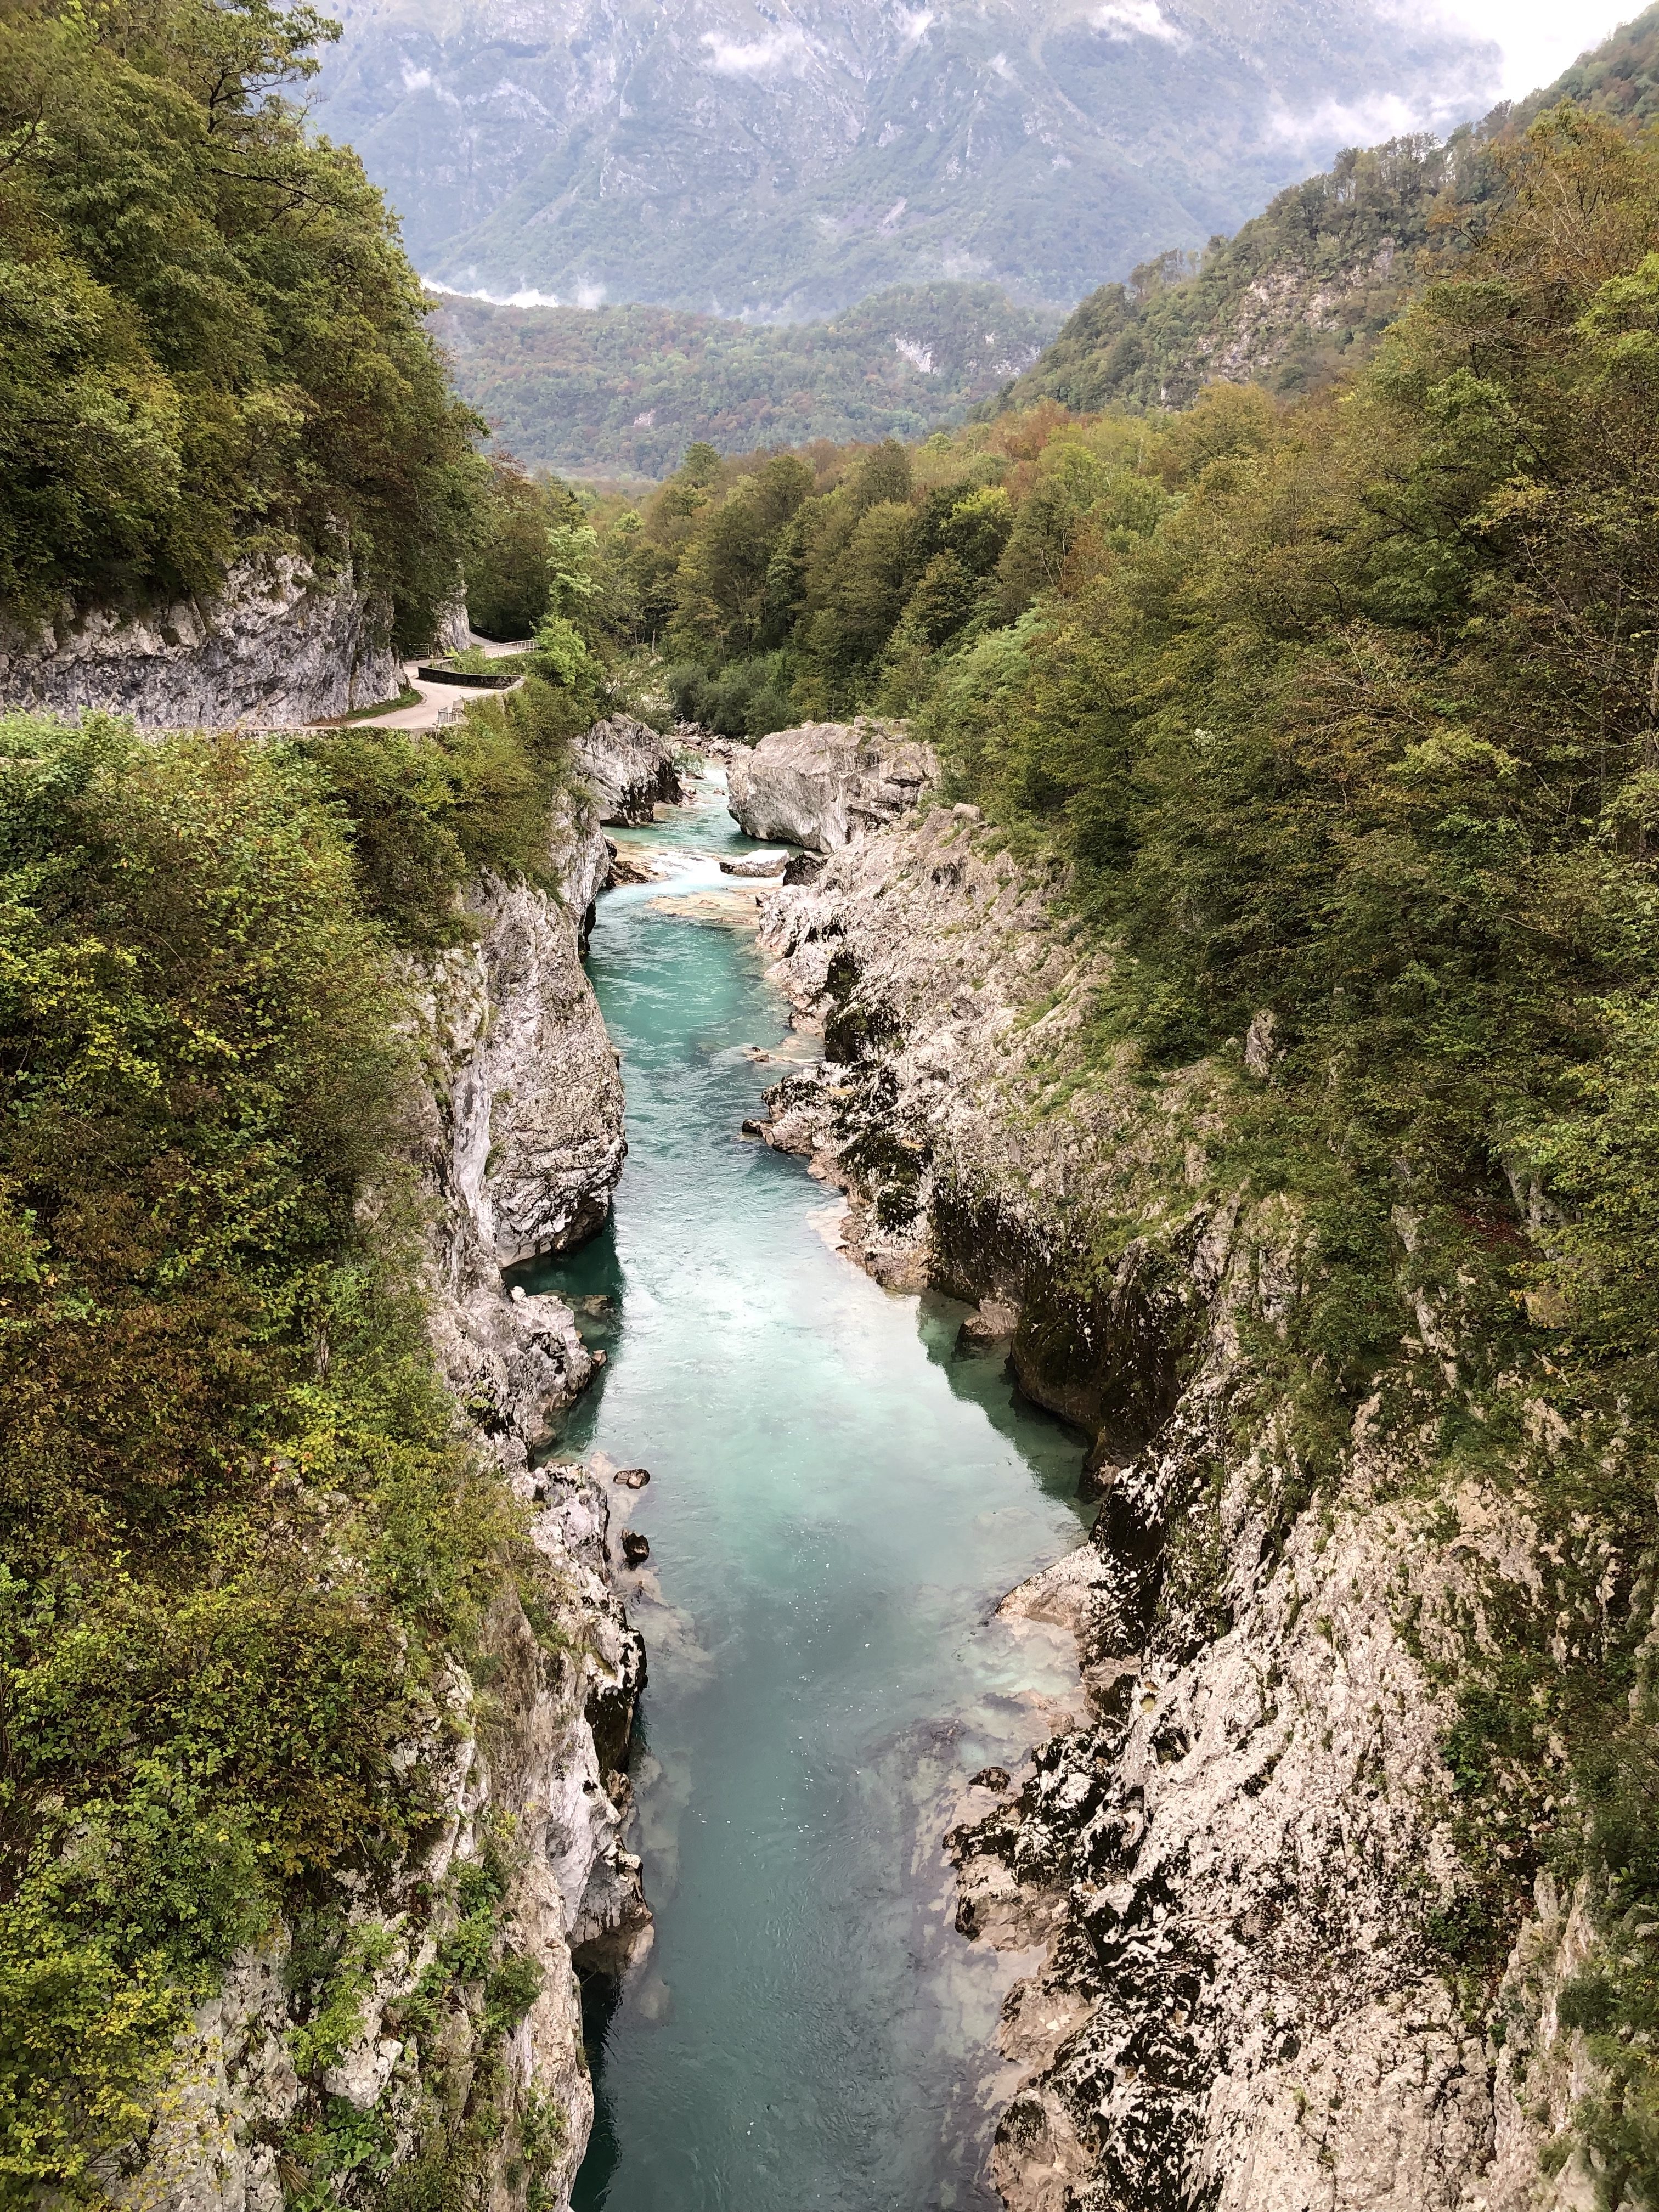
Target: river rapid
(838, 1499)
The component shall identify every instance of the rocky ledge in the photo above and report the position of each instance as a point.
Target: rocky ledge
(1242, 1866)
(280, 645)
(827, 783)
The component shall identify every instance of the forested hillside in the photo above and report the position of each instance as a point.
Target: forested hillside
(1340, 716)
(210, 342)
(1309, 284)
(247, 1542)
(624, 390)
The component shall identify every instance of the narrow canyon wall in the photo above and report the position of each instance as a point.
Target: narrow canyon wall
(1241, 1865)
(281, 645)
(454, 1970)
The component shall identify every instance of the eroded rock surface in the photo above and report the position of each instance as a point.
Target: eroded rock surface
(827, 783)
(628, 769)
(280, 647)
(519, 1138)
(1237, 1867)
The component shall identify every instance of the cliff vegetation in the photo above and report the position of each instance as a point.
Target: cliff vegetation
(246, 1545)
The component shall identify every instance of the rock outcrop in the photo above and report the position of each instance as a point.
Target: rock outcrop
(826, 784)
(1242, 1868)
(452, 1971)
(520, 1138)
(628, 769)
(280, 647)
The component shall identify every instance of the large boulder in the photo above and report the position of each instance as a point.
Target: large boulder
(628, 767)
(827, 784)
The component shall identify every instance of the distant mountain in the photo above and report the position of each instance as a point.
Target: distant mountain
(782, 161)
(624, 390)
(1307, 286)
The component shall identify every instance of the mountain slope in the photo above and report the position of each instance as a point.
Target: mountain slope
(625, 389)
(784, 162)
(1322, 270)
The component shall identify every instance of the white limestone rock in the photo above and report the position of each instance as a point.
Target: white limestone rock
(1232, 1870)
(628, 768)
(281, 645)
(826, 784)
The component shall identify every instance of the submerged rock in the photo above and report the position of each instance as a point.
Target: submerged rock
(993, 1321)
(827, 783)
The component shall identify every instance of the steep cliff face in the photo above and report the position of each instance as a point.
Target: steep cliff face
(826, 783)
(426, 2018)
(280, 647)
(1246, 1868)
(520, 1138)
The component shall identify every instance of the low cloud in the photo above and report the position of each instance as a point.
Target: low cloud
(1368, 122)
(1139, 19)
(588, 295)
(785, 49)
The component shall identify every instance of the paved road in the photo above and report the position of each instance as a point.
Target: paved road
(437, 700)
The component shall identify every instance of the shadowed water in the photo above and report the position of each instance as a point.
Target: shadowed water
(836, 1504)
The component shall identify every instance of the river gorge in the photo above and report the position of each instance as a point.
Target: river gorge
(838, 1500)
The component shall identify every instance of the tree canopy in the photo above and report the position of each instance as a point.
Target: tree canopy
(211, 344)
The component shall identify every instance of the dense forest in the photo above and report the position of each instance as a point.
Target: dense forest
(243, 1538)
(1342, 708)
(212, 345)
(1306, 287)
(621, 390)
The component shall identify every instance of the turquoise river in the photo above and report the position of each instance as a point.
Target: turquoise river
(837, 1502)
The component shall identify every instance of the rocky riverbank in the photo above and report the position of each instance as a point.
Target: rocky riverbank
(1245, 1867)
(452, 1991)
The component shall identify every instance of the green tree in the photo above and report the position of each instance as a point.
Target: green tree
(212, 345)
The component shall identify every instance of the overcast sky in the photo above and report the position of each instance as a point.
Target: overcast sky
(1539, 38)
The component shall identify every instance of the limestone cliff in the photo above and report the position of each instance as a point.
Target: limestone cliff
(521, 1138)
(426, 2017)
(280, 647)
(1242, 1867)
(826, 783)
